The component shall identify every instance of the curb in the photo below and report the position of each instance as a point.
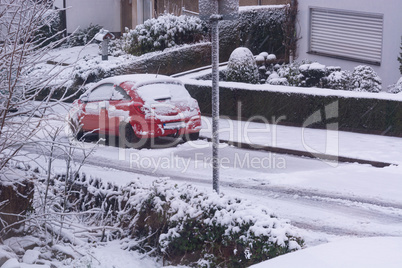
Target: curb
(299, 153)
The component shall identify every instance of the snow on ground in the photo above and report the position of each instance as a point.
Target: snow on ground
(341, 143)
(349, 253)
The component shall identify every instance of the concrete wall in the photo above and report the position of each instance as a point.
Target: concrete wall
(81, 13)
(392, 33)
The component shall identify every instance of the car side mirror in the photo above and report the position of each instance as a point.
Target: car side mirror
(84, 98)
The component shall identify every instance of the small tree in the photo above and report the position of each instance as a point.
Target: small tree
(242, 67)
(364, 78)
(21, 50)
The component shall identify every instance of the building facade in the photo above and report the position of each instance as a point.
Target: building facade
(116, 15)
(350, 33)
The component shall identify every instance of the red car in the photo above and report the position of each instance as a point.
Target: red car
(137, 108)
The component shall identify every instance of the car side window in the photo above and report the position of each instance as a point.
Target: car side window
(100, 93)
(120, 94)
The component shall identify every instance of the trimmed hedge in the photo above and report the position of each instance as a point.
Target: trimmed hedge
(374, 116)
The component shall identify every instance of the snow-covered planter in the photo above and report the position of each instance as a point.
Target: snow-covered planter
(364, 78)
(15, 201)
(163, 32)
(396, 88)
(242, 67)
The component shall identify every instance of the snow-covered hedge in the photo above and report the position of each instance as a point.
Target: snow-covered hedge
(257, 28)
(184, 225)
(165, 31)
(396, 88)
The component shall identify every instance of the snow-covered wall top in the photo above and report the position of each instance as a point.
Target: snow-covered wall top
(81, 13)
(392, 32)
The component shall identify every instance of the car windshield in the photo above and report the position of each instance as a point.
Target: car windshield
(162, 91)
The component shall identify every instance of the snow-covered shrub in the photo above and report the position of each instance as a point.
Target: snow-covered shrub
(337, 80)
(115, 48)
(83, 36)
(396, 88)
(182, 224)
(274, 79)
(50, 31)
(312, 73)
(165, 31)
(242, 67)
(364, 78)
(291, 72)
(191, 226)
(400, 60)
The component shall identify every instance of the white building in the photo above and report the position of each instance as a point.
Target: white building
(348, 33)
(113, 15)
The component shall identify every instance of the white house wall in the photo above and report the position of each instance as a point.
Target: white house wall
(81, 13)
(392, 34)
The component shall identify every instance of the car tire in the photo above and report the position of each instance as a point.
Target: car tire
(191, 136)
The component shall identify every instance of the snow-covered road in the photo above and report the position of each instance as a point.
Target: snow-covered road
(318, 206)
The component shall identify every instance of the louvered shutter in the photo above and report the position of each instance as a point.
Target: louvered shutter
(347, 35)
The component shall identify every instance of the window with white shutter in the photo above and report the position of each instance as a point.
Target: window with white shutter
(343, 34)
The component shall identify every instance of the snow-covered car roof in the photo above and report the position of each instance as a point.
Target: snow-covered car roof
(139, 79)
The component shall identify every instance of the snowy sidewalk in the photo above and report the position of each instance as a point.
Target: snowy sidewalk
(314, 141)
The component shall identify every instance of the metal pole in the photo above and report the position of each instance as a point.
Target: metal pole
(215, 102)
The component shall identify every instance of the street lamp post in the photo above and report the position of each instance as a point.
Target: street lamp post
(215, 100)
(213, 11)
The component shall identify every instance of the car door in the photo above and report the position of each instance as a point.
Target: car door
(95, 114)
(119, 109)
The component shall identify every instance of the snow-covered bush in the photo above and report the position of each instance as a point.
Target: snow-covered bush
(165, 31)
(364, 78)
(312, 73)
(83, 36)
(339, 80)
(181, 224)
(396, 88)
(274, 79)
(50, 31)
(400, 60)
(242, 67)
(291, 72)
(115, 48)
